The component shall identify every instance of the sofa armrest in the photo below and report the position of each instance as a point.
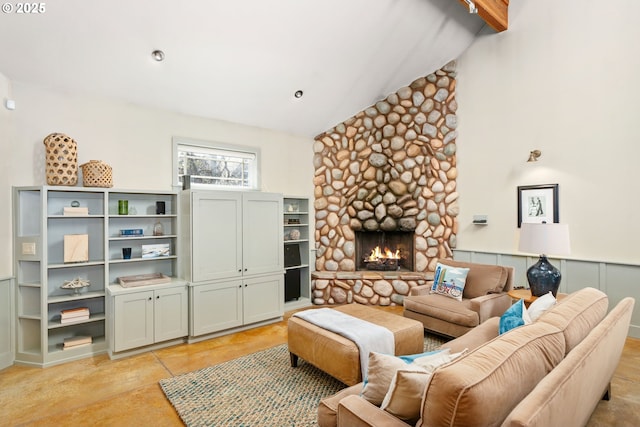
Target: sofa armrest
(421, 289)
(490, 305)
(354, 411)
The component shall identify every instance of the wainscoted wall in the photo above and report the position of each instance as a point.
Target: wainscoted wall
(7, 327)
(616, 280)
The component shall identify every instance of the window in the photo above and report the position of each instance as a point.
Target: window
(216, 165)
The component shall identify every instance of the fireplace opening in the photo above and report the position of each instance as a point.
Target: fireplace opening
(384, 250)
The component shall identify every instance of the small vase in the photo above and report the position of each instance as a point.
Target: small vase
(158, 229)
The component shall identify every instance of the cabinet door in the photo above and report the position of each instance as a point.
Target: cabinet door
(262, 233)
(216, 235)
(216, 307)
(171, 313)
(263, 298)
(133, 315)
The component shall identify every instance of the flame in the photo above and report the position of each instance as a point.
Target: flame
(377, 253)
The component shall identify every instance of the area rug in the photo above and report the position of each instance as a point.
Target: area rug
(260, 389)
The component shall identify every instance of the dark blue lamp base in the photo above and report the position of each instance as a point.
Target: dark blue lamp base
(543, 278)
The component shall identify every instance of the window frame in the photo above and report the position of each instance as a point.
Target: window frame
(215, 145)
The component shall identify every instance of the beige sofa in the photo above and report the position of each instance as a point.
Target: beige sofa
(549, 373)
(484, 296)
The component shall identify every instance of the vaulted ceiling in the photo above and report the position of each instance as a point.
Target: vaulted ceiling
(241, 60)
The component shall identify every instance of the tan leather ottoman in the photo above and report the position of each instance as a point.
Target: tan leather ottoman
(339, 356)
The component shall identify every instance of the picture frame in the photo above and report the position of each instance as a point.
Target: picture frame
(538, 204)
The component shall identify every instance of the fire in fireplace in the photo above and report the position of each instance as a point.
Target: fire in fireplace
(384, 250)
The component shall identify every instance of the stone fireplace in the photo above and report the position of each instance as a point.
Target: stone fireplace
(387, 175)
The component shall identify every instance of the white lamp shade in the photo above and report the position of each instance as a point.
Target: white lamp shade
(544, 239)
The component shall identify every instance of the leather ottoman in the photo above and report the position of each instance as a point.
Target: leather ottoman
(339, 356)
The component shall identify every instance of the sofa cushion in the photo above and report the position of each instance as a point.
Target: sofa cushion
(483, 386)
(482, 279)
(515, 316)
(577, 314)
(440, 307)
(449, 281)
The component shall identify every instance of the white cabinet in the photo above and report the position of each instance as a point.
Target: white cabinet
(66, 233)
(233, 258)
(296, 252)
(148, 316)
(226, 304)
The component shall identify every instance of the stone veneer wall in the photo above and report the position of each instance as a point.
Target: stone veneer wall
(389, 167)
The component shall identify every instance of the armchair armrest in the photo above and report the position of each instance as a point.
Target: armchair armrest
(421, 289)
(354, 411)
(490, 305)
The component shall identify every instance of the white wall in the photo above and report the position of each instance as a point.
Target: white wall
(6, 224)
(135, 141)
(563, 79)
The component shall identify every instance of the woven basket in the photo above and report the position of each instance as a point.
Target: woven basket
(96, 173)
(62, 159)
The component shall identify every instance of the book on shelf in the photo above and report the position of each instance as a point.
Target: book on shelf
(74, 319)
(74, 315)
(131, 232)
(75, 211)
(74, 312)
(73, 342)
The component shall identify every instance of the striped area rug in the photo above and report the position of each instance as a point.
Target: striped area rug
(260, 389)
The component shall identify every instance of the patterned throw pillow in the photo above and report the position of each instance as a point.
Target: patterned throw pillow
(449, 281)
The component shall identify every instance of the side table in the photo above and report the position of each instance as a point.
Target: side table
(525, 294)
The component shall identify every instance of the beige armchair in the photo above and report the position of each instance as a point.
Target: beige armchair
(484, 296)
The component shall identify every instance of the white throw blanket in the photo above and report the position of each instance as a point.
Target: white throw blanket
(366, 335)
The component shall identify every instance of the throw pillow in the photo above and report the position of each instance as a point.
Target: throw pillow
(407, 387)
(449, 281)
(515, 316)
(540, 305)
(404, 398)
(382, 369)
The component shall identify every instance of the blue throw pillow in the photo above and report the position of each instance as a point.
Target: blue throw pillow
(515, 316)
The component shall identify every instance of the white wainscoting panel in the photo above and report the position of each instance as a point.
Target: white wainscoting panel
(616, 280)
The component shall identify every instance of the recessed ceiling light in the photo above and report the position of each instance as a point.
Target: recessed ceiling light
(158, 55)
(298, 94)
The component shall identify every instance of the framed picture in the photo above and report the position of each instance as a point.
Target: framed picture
(538, 203)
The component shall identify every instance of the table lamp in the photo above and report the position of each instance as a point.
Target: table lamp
(544, 239)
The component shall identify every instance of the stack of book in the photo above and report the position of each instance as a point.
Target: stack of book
(74, 315)
(74, 342)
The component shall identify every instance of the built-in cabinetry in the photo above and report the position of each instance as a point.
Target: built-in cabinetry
(233, 258)
(6, 322)
(296, 252)
(55, 245)
(148, 315)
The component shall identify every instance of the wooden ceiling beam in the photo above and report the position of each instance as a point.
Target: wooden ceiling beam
(493, 12)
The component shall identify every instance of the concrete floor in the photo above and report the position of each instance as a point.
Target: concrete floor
(98, 391)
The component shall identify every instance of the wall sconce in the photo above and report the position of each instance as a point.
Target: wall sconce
(533, 155)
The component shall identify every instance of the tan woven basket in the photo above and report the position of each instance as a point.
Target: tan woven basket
(96, 173)
(62, 159)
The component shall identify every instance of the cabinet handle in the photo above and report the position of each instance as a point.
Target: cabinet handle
(245, 269)
(239, 270)
(158, 297)
(149, 298)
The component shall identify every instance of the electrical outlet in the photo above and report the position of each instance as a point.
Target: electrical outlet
(28, 248)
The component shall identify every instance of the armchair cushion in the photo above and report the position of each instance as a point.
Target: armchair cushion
(482, 279)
